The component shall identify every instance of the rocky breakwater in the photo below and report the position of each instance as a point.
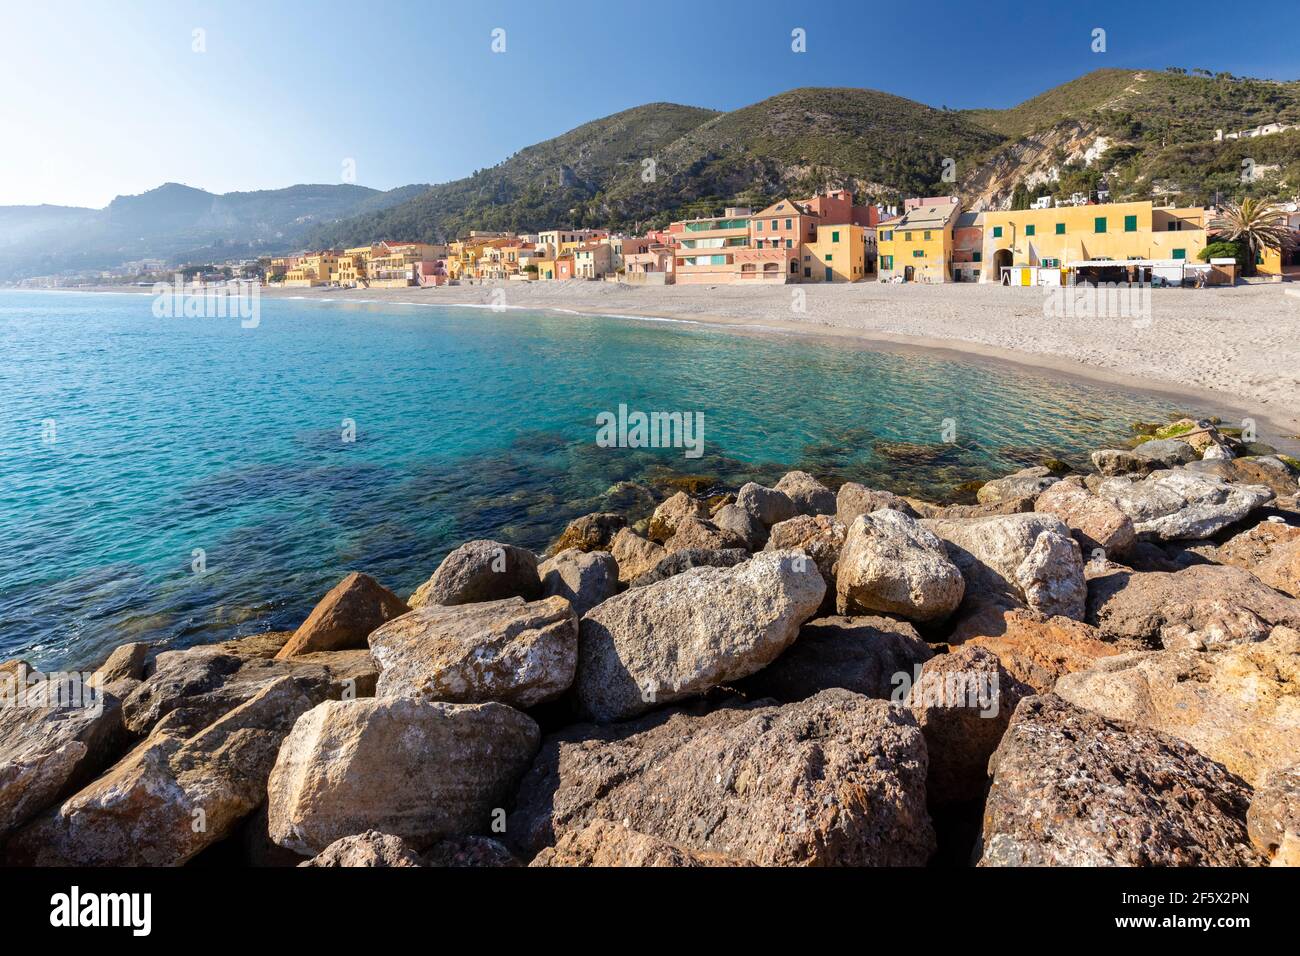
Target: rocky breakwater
(790, 675)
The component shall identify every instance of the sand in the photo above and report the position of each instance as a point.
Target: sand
(1237, 349)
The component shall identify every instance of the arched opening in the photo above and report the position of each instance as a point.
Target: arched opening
(1001, 260)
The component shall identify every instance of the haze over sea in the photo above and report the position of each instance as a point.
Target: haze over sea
(172, 436)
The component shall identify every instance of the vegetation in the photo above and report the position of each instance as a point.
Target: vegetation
(1253, 225)
(1224, 250)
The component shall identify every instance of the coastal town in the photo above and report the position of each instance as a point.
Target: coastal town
(827, 238)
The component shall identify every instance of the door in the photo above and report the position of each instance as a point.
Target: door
(829, 274)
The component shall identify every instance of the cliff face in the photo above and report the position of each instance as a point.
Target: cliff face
(1033, 160)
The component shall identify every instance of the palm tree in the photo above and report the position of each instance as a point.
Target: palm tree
(1255, 225)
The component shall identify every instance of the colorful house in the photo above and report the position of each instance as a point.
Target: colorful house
(313, 269)
(838, 254)
(917, 246)
(706, 248)
(968, 247)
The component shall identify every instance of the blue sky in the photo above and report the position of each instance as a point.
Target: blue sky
(106, 98)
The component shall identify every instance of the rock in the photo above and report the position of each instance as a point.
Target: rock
(1204, 606)
(593, 532)
(635, 555)
(510, 651)
(1239, 706)
(476, 852)
(604, 843)
(1020, 558)
(1034, 649)
(962, 702)
(125, 663)
(345, 617)
(766, 504)
(200, 684)
(890, 563)
(1267, 470)
(583, 578)
(1273, 820)
(1166, 452)
(809, 495)
(680, 561)
(1010, 506)
(1199, 435)
(353, 673)
(1071, 788)
(1116, 461)
(1096, 523)
(1216, 452)
(699, 533)
(1270, 551)
(369, 849)
(738, 521)
(417, 770)
(854, 499)
(820, 537)
(54, 736)
(1170, 505)
(1026, 483)
(671, 640)
(836, 780)
(663, 523)
(481, 571)
(171, 797)
(870, 656)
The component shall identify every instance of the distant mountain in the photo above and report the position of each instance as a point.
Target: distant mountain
(177, 222)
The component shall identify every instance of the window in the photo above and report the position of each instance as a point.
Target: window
(917, 253)
(776, 224)
(907, 237)
(1130, 223)
(1180, 253)
(835, 236)
(1029, 230)
(927, 235)
(886, 235)
(789, 223)
(886, 262)
(1099, 224)
(977, 256)
(789, 243)
(997, 232)
(807, 273)
(1060, 228)
(829, 257)
(794, 266)
(758, 225)
(829, 273)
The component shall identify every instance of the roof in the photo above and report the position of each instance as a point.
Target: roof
(931, 216)
(969, 219)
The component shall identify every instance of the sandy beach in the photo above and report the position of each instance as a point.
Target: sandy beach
(1238, 348)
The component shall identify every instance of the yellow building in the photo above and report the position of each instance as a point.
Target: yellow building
(280, 266)
(353, 265)
(392, 262)
(313, 269)
(917, 246)
(1136, 236)
(838, 254)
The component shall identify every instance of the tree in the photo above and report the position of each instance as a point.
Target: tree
(1224, 250)
(1253, 225)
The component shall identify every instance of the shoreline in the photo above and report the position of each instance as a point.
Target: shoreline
(1001, 326)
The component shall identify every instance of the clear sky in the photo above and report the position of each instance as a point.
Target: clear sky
(109, 97)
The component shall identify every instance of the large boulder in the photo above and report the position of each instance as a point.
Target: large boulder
(819, 536)
(1017, 559)
(1270, 551)
(962, 702)
(695, 630)
(126, 663)
(1203, 606)
(854, 499)
(1117, 461)
(172, 796)
(1096, 523)
(345, 617)
(1239, 706)
(1267, 470)
(694, 533)
(635, 555)
(1035, 649)
(1168, 452)
(1026, 483)
(1173, 505)
(369, 849)
(1071, 788)
(809, 495)
(593, 532)
(679, 561)
(604, 843)
(891, 564)
(583, 578)
(1273, 820)
(55, 734)
(511, 651)
(481, 571)
(417, 770)
(738, 521)
(766, 504)
(663, 523)
(871, 656)
(836, 780)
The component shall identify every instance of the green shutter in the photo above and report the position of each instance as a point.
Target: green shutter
(997, 232)
(835, 237)
(1029, 230)
(1180, 253)
(1060, 228)
(1099, 224)
(1130, 223)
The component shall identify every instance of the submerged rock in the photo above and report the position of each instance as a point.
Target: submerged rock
(417, 770)
(1026, 483)
(593, 532)
(1071, 788)
(518, 653)
(481, 571)
(836, 780)
(671, 640)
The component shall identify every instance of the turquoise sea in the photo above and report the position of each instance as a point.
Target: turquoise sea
(130, 444)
